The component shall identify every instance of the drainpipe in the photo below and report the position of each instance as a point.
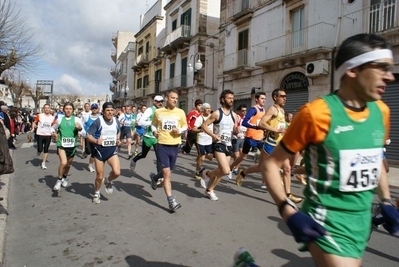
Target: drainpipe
(335, 45)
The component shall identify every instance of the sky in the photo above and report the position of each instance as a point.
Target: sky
(76, 37)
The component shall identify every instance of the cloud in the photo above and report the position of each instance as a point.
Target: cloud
(76, 35)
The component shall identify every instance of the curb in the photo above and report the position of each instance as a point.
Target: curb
(5, 185)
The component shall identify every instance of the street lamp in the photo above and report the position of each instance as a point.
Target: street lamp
(125, 91)
(197, 65)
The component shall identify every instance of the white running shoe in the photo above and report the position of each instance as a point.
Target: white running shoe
(57, 186)
(204, 179)
(64, 182)
(229, 176)
(211, 195)
(43, 166)
(96, 198)
(91, 169)
(108, 186)
(263, 186)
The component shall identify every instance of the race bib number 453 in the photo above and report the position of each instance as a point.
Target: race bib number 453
(360, 169)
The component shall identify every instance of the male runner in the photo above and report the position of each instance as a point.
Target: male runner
(225, 123)
(68, 127)
(125, 122)
(343, 135)
(84, 116)
(43, 132)
(104, 134)
(167, 125)
(87, 122)
(191, 117)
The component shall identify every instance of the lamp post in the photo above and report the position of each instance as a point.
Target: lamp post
(197, 67)
(125, 91)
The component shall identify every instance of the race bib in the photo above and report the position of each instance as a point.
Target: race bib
(68, 142)
(360, 169)
(281, 126)
(225, 137)
(169, 125)
(46, 125)
(109, 141)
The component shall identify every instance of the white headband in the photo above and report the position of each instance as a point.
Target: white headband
(363, 58)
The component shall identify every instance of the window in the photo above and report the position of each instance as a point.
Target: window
(382, 15)
(172, 70)
(243, 40)
(145, 82)
(174, 25)
(139, 83)
(147, 47)
(158, 79)
(298, 25)
(185, 18)
(184, 71)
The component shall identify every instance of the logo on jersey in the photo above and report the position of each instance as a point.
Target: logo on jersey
(359, 159)
(340, 129)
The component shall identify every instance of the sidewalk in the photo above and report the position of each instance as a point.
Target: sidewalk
(4, 186)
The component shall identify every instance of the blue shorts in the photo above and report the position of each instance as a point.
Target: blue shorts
(203, 150)
(268, 149)
(167, 155)
(104, 153)
(140, 130)
(249, 142)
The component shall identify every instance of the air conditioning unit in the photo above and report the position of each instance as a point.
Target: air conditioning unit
(316, 68)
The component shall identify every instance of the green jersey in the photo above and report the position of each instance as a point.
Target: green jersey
(67, 133)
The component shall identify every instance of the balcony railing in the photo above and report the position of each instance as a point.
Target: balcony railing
(320, 36)
(240, 59)
(153, 88)
(138, 93)
(184, 31)
(377, 18)
(239, 7)
(113, 55)
(141, 60)
(112, 71)
(175, 82)
(116, 95)
(112, 87)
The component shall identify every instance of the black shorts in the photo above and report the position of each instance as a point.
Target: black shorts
(43, 143)
(69, 151)
(126, 132)
(222, 148)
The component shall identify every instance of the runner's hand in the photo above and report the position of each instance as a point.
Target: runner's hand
(304, 228)
(391, 216)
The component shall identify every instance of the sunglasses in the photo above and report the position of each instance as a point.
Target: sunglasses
(385, 67)
(283, 96)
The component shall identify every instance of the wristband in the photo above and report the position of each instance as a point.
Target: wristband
(285, 203)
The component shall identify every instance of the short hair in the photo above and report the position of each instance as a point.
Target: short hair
(240, 107)
(357, 45)
(275, 92)
(258, 94)
(224, 93)
(87, 103)
(69, 104)
(172, 91)
(45, 105)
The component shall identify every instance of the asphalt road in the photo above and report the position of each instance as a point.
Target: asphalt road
(133, 227)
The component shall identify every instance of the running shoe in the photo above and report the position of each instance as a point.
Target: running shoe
(197, 175)
(229, 176)
(160, 182)
(43, 166)
(132, 165)
(204, 178)
(84, 155)
(91, 169)
(294, 198)
(108, 187)
(96, 198)
(130, 156)
(211, 195)
(136, 153)
(263, 185)
(301, 178)
(38, 153)
(64, 182)
(173, 205)
(57, 186)
(239, 177)
(153, 182)
(235, 171)
(242, 258)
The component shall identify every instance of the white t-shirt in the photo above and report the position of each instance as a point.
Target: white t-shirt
(44, 124)
(203, 138)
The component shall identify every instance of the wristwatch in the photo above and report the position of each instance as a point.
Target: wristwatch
(388, 200)
(285, 203)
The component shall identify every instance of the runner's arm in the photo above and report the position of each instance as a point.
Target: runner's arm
(214, 117)
(145, 119)
(245, 122)
(270, 113)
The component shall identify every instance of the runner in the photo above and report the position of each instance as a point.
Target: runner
(204, 140)
(191, 117)
(140, 130)
(225, 123)
(68, 127)
(253, 135)
(135, 137)
(43, 123)
(87, 122)
(125, 123)
(149, 139)
(84, 116)
(104, 134)
(167, 125)
(334, 223)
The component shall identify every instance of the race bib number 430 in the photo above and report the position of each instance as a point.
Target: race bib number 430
(360, 169)
(168, 125)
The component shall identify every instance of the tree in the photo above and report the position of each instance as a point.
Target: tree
(16, 46)
(62, 99)
(36, 94)
(16, 89)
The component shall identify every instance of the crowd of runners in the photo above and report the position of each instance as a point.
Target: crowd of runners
(329, 133)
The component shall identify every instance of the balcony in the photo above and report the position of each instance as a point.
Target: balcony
(113, 55)
(177, 82)
(177, 39)
(381, 19)
(237, 62)
(121, 73)
(153, 88)
(142, 61)
(112, 87)
(112, 71)
(314, 39)
(138, 93)
(240, 11)
(114, 40)
(116, 96)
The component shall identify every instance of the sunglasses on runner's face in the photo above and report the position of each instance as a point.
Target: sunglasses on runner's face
(283, 96)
